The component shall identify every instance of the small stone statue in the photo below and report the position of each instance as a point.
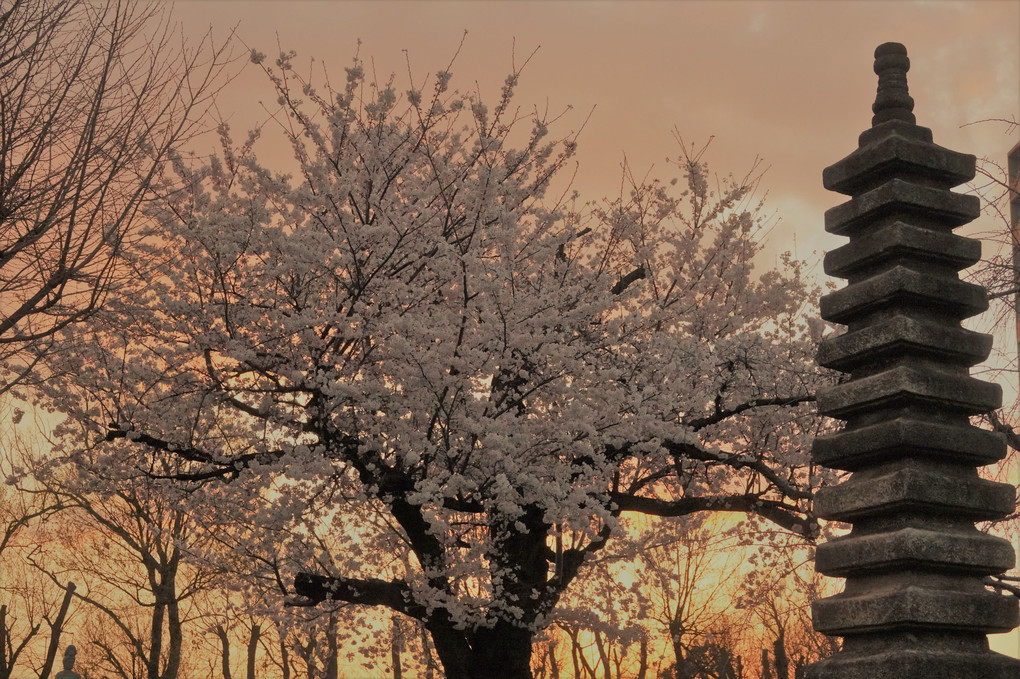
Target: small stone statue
(68, 671)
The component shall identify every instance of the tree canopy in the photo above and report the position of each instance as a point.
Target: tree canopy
(422, 374)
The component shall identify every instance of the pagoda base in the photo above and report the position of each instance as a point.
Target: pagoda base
(916, 664)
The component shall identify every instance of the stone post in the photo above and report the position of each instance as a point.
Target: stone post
(1013, 178)
(914, 606)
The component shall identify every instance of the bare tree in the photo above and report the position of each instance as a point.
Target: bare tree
(93, 95)
(777, 596)
(128, 550)
(685, 598)
(998, 271)
(28, 606)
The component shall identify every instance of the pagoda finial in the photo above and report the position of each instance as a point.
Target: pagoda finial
(892, 102)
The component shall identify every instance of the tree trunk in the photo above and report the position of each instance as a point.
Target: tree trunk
(221, 632)
(307, 653)
(500, 652)
(175, 633)
(600, 645)
(426, 649)
(253, 647)
(582, 668)
(5, 644)
(332, 649)
(643, 650)
(284, 657)
(682, 669)
(554, 669)
(782, 661)
(396, 642)
(55, 629)
(574, 653)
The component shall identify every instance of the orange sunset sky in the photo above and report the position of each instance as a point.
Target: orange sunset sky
(790, 82)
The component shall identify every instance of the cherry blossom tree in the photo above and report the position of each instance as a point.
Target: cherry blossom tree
(425, 347)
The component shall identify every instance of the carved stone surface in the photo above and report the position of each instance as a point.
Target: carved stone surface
(914, 605)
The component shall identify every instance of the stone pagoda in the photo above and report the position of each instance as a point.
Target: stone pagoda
(914, 605)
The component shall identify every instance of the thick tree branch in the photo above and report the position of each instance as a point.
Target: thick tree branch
(395, 595)
(737, 461)
(624, 283)
(221, 468)
(788, 516)
(722, 414)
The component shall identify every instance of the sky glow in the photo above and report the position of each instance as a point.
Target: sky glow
(789, 82)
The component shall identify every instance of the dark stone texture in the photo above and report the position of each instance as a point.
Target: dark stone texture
(909, 663)
(900, 157)
(899, 336)
(908, 289)
(911, 548)
(915, 605)
(904, 605)
(889, 128)
(916, 204)
(900, 243)
(904, 386)
(893, 102)
(915, 486)
(851, 449)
